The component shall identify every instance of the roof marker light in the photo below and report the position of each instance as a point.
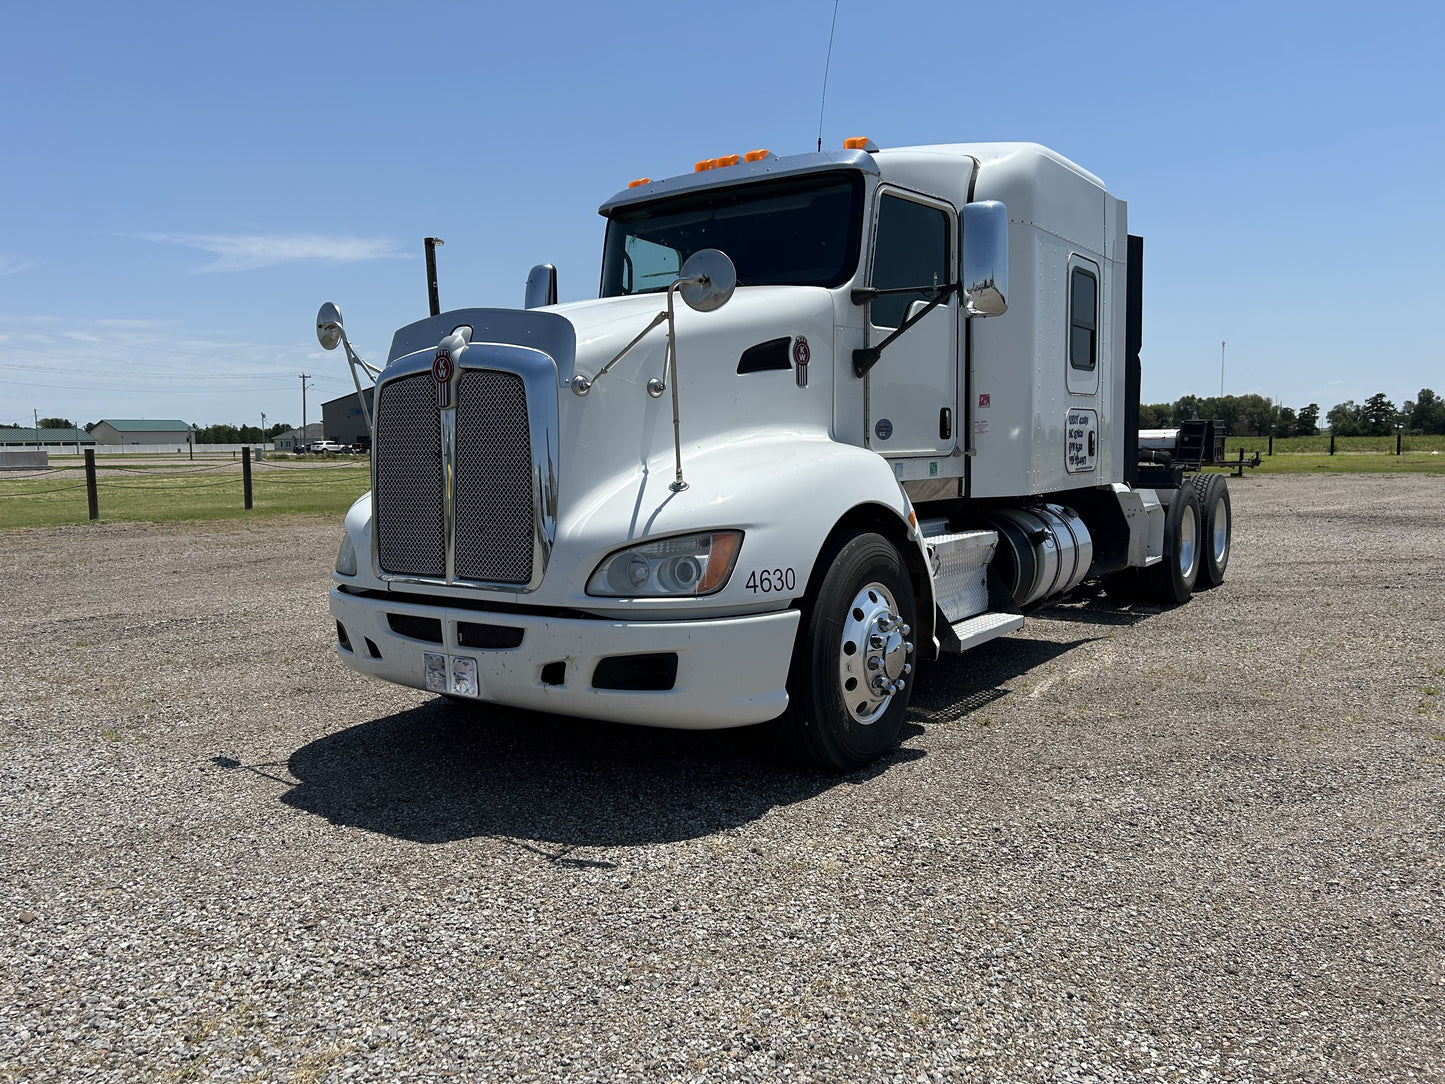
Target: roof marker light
(859, 143)
(728, 160)
(639, 181)
(705, 165)
(755, 156)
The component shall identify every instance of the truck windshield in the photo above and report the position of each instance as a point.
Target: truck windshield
(802, 231)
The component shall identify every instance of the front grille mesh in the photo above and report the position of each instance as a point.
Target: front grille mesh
(407, 494)
(495, 518)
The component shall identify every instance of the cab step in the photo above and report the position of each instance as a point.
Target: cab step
(963, 635)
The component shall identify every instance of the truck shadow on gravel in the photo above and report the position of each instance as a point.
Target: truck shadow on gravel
(443, 772)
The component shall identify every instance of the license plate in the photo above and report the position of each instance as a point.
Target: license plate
(454, 674)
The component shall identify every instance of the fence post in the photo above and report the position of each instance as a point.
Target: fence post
(90, 483)
(246, 474)
(1398, 435)
(1332, 442)
(1271, 444)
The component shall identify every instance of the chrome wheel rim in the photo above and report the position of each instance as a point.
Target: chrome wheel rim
(1221, 532)
(1188, 548)
(873, 654)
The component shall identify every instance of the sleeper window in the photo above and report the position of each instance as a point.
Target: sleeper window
(1083, 319)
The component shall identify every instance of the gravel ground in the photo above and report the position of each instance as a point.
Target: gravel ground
(1201, 844)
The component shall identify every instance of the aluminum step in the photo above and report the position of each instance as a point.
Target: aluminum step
(979, 630)
(960, 565)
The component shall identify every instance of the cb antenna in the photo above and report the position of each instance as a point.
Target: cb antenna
(826, 64)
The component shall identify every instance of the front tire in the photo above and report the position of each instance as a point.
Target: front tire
(852, 670)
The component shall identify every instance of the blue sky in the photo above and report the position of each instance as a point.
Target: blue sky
(183, 185)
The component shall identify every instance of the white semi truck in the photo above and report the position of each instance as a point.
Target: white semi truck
(897, 408)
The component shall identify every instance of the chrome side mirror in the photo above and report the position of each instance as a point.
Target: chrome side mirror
(985, 258)
(707, 280)
(541, 286)
(328, 327)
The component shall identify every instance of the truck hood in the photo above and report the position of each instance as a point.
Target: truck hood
(744, 411)
(617, 434)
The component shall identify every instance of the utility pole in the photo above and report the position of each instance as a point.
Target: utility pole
(304, 377)
(36, 415)
(262, 441)
(1221, 368)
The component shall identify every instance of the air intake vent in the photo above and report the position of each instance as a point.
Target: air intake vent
(490, 637)
(637, 673)
(418, 628)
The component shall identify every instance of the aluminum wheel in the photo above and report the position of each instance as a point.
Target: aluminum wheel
(1221, 532)
(1188, 542)
(873, 654)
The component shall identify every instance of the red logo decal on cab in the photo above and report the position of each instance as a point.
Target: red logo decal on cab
(801, 356)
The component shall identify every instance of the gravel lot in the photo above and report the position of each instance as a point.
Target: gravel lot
(1198, 844)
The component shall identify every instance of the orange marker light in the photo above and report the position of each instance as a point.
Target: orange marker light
(705, 165)
(755, 156)
(728, 160)
(720, 560)
(856, 143)
(640, 180)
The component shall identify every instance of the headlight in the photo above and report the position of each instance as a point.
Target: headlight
(346, 557)
(688, 566)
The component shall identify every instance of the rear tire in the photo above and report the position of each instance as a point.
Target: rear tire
(1216, 528)
(852, 671)
(1171, 581)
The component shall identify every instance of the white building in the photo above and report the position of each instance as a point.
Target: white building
(141, 431)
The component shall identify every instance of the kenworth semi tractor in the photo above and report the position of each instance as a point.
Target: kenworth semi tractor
(895, 407)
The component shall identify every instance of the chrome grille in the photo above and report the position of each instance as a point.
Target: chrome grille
(407, 490)
(495, 533)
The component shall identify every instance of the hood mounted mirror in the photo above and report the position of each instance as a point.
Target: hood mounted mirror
(707, 280)
(328, 326)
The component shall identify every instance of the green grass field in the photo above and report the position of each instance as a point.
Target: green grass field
(144, 494)
(1353, 455)
(1320, 445)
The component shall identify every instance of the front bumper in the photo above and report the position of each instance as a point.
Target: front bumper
(731, 671)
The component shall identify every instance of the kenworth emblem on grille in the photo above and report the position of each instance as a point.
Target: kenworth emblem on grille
(441, 371)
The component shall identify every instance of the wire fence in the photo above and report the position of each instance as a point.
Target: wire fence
(130, 493)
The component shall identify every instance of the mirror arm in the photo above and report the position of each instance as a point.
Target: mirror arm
(353, 360)
(865, 359)
(862, 295)
(581, 385)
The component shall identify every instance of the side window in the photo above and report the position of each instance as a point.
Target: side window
(1083, 319)
(911, 249)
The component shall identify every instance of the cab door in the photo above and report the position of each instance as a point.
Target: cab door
(913, 389)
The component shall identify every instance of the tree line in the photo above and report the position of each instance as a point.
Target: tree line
(1260, 416)
(205, 434)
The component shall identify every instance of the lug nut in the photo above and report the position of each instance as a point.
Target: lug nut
(876, 642)
(908, 668)
(908, 647)
(905, 630)
(885, 623)
(874, 662)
